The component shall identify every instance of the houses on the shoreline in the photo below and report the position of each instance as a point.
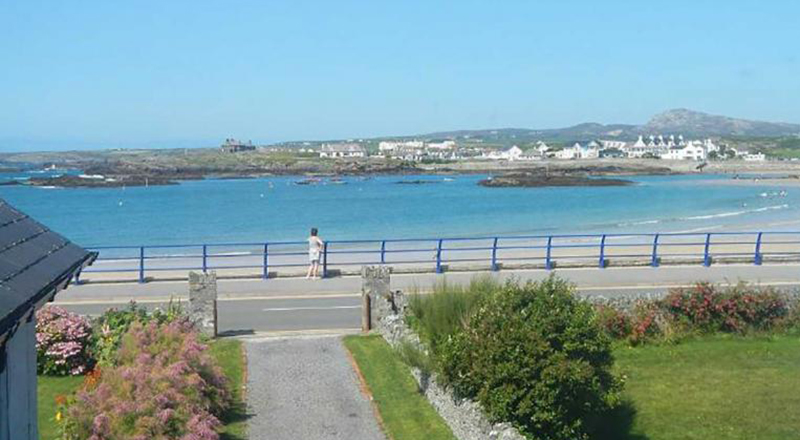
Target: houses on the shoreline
(669, 147)
(235, 146)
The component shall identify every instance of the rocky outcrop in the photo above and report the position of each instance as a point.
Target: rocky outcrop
(547, 180)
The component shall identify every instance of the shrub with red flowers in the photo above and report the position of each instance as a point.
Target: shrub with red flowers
(616, 323)
(736, 309)
(63, 342)
(165, 386)
(645, 322)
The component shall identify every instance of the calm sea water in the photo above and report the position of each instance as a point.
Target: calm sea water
(275, 209)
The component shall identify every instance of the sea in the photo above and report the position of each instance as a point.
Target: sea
(273, 209)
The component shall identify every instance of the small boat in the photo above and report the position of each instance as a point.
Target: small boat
(308, 181)
(449, 179)
(337, 181)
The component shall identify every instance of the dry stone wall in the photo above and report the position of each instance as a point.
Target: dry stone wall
(464, 416)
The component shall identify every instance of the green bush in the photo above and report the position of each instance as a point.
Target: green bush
(114, 323)
(439, 315)
(535, 356)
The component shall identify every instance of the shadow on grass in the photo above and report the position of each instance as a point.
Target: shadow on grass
(235, 421)
(617, 424)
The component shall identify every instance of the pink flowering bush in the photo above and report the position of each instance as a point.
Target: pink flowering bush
(702, 308)
(165, 386)
(63, 342)
(736, 310)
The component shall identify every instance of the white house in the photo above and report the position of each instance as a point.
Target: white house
(618, 145)
(641, 148)
(693, 150)
(753, 157)
(444, 145)
(542, 148)
(511, 154)
(577, 151)
(385, 146)
(342, 150)
(36, 263)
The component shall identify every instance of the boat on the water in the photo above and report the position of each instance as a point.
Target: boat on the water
(309, 181)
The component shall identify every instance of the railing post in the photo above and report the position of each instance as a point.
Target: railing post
(654, 261)
(141, 264)
(548, 264)
(494, 255)
(706, 253)
(383, 252)
(325, 260)
(205, 258)
(439, 256)
(602, 261)
(757, 259)
(265, 275)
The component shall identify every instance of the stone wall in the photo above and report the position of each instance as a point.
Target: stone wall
(465, 417)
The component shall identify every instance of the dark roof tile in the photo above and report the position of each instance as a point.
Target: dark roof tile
(34, 262)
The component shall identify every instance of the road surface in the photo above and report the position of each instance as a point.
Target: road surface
(333, 305)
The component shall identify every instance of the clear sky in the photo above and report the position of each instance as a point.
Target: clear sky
(77, 74)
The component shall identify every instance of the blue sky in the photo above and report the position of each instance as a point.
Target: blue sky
(77, 74)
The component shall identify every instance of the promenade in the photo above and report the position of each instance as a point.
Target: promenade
(288, 305)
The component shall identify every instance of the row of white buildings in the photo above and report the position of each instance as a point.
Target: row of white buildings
(668, 148)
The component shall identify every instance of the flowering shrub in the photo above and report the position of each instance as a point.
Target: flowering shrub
(63, 342)
(616, 323)
(644, 322)
(166, 386)
(702, 308)
(109, 329)
(738, 309)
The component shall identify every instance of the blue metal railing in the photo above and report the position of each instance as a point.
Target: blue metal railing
(440, 253)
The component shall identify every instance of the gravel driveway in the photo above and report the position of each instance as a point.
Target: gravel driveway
(304, 388)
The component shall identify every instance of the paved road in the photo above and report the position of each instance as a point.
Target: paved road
(254, 306)
(305, 388)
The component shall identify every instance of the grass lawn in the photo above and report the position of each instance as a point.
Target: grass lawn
(50, 387)
(719, 388)
(406, 414)
(229, 353)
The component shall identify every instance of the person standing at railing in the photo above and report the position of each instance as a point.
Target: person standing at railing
(315, 245)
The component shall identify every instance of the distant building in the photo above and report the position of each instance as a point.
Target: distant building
(753, 157)
(692, 150)
(342, 150)
(510, 154)
(617, 145)
(389, 146)
(36, 263)
(234, 146)
(578, 151)
(542, 148)
(444, 145)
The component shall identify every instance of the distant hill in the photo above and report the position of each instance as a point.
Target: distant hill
(677, 121)
(694, 123)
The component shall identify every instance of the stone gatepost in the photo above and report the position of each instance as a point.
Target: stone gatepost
(375, 281)
(203, 302)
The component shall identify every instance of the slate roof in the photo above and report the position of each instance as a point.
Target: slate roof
(35, 263)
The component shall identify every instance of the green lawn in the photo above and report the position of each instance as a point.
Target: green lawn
(713, 388)
(406, 414)
(50, 387)
(229, 353)
(719, 388)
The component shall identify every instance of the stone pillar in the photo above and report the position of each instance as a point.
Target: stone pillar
(375, 291)
(203, 302)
